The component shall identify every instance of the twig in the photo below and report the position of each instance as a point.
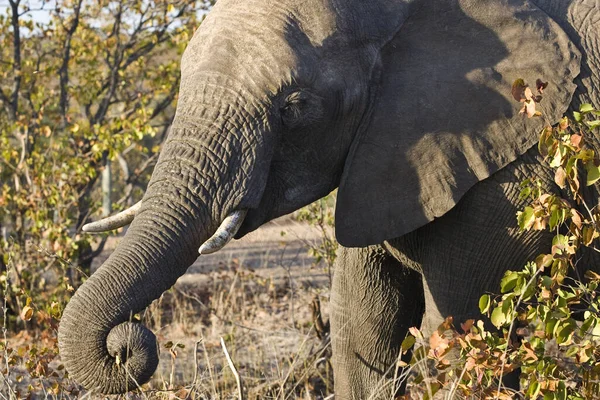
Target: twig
(209, 367)
(6, 286)
(238, 378)
(196, 367)
(462, 373)
(510, 330)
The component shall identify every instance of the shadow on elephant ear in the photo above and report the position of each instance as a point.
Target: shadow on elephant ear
(443, 118)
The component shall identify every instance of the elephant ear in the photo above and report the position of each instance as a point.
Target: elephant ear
(443, 117)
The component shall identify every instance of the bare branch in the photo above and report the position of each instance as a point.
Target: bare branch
(114, 69)
(238, 378)
(14, 6)
(160, 107)
(64, 68)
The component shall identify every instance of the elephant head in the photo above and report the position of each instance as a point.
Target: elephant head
(281, 102)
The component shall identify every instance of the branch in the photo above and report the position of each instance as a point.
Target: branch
(14, 5)
(160, 38)
(160, 107)
(238, 378)
(114, 72)
(28, 9)
(95, 253)
(64, 68)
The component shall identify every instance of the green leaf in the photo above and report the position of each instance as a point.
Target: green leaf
(577, 116)
(593, 173)
(509, 281)
(560, 240)
(484, 303)
(498, 317)
(526, 218)
(554, 219)
(546, 281)
(586, 108)
(534, 389)
(408, 343)
(565, 330)
(587, 325)
(593, 124)
(508, 306)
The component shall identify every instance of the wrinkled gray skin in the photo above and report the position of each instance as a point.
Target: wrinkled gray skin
(271, 98)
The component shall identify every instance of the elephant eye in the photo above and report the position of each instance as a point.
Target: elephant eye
(300, 108)
(292, 109)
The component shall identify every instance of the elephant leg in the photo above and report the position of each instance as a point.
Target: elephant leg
(374, 300)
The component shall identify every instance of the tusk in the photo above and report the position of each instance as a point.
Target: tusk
(224, 233)
(116, 221)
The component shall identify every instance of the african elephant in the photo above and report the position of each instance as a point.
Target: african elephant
(404, 106)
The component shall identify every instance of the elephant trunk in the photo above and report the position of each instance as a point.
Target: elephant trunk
(205, 172)
(100, 344)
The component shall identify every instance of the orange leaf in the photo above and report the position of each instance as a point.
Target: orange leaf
(576, 218)
(466, 326)
(576, 141)
(529, 109)
(528, 94)
(559, 177)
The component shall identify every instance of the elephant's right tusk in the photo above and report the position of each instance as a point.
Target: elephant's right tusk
(224, 233)
(116, 221)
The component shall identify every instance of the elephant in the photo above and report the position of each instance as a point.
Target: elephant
(404, 106)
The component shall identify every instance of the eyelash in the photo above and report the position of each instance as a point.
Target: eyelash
(291, 109)
(297, 110)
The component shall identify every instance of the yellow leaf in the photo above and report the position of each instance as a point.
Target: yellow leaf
(27, 313)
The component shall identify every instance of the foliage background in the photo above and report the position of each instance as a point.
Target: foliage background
(86, 98)
(88, 90)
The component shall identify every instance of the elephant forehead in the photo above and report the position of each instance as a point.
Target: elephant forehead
(259, 34)
(281, 38)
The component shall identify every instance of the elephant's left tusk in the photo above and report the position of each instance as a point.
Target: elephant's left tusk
(116, 221)
(224, 233)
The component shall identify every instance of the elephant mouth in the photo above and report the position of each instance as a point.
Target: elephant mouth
(255, 218)
(269, 208)
(224, 233)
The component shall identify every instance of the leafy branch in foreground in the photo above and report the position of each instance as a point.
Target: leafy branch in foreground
(535, 310)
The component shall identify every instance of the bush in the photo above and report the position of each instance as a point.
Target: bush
(535, 311)
(90, 87)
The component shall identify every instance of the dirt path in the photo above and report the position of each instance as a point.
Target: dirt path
(280, 242)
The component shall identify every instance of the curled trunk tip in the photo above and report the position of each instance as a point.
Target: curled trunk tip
(127, 361)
